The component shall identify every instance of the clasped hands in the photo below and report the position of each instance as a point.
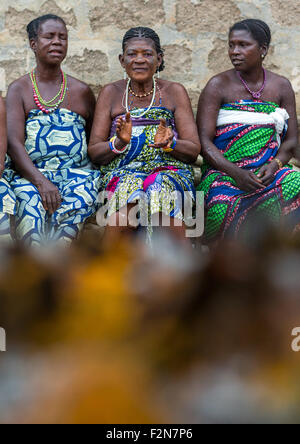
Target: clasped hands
(250, 182)
(163, 138)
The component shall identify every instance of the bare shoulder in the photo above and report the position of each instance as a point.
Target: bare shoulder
(221, 79)
(114, 87)
(17, 86)
(112, 90)
(78, 85)
(174, 93)
(279, 80)
(172, 87)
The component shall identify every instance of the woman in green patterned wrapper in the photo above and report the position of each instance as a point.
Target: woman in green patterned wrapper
(144, 138)
(248, 130)
(49, 120)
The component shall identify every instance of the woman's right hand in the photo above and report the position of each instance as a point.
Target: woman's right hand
(124, 130)
(248, 181)
(51, 198)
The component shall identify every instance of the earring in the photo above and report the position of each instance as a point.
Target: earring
(157, 75)
(125, 75)
(263, 56)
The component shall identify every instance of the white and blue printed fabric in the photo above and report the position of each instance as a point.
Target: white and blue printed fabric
(56, 144)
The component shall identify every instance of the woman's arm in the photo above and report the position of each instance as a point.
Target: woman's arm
(99, 150)
(286, 150)
(3, 135)
(290, 142)
(90, 104)
(16, 136)
(209, 104)
(188, 145)
(23, 164)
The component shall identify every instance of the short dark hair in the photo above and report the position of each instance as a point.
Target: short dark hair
(142, 32)
(259, 30)
(34, 26)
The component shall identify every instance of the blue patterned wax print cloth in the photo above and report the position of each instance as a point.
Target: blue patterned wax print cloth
(56, 144)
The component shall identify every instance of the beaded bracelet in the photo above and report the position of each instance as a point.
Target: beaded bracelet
(279, 163)
(113, 148)
(171, 148)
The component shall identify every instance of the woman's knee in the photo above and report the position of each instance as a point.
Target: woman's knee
(122, 219)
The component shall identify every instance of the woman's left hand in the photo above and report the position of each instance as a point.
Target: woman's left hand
(267, 173)
(163, 137)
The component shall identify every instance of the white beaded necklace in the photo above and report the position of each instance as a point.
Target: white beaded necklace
(149, 107)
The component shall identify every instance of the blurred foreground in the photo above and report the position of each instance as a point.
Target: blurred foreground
(161, 335)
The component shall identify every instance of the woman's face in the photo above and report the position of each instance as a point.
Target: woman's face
(140, 59)
(51, 45)
(244, 51)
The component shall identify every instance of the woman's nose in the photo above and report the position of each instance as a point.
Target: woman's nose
(235, 50)
(56, 40)
(140, 58)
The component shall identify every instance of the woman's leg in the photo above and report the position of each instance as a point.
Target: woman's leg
(170, 193)
(5, 234)
(118, 225)
(31, 217)
(65, 232)
(125, 195)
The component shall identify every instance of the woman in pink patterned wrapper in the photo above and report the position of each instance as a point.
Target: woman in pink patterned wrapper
(145, 139)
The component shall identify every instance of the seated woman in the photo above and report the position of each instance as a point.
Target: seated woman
(145, 138)
(49, 116)
(242, 121)
(7, 198)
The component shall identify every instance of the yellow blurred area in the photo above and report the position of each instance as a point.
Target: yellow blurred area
(134, 334)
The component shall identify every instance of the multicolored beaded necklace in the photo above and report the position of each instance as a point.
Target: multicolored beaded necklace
(44, 105)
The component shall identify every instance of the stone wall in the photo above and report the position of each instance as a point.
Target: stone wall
(193, 33)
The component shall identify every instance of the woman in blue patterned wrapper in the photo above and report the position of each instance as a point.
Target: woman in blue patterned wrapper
(7, 198)
(145, 139)
(49, 119)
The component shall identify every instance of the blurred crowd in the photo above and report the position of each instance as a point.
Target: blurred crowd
(151, 334)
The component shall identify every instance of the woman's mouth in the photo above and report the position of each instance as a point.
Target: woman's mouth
(237, 61)
(55, 53)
